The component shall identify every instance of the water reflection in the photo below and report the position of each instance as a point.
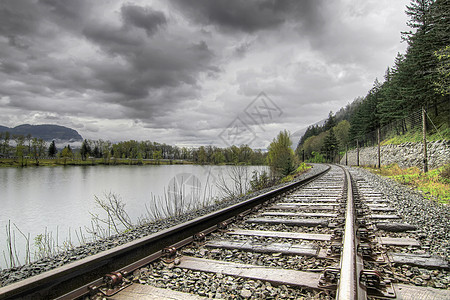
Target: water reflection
(59, 199)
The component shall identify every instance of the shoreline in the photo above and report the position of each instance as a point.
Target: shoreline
(60, 162)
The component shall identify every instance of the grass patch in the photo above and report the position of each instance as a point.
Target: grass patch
(405, 138)
(300, 170)
(435, 184)
(433, 134)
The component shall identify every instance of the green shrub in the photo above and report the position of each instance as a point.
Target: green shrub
(445, 174)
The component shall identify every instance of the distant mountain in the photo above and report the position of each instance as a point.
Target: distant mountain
(46, 132)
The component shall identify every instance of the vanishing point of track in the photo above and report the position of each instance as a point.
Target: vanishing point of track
(329, 236)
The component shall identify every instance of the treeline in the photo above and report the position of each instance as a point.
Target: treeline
(420, 78)
(26, 146)
(23, 146)
(153, 150)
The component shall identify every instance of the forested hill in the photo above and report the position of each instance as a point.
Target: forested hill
(46, 132)
(419, 78)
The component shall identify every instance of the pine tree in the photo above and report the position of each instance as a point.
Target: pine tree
(357, 127)
(443, 82)
(85, 150)
(420, 61)
(52, 149)
(330, 122)
(392, 102)
(441, 19)
(330, 146)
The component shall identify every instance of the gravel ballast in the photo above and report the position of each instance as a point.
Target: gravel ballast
(432, 218)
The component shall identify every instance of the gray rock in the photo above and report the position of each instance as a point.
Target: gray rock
(245, 293)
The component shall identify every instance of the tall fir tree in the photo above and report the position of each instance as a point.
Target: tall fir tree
(330, 146)
(52, 149)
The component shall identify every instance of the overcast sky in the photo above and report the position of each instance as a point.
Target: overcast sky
(191, 72)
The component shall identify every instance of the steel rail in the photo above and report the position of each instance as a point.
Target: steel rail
(349, 287)
(73, 280)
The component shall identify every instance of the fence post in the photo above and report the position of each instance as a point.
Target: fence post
(346, 154)
(357, 153)
(379, 148)
(303, 155)
(424, 130)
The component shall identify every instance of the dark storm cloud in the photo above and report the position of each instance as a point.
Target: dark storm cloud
(12, 67)
(17, 18)
(250, 16)
(67, 9)
(144, 64)
(145, 18)
(132, 67)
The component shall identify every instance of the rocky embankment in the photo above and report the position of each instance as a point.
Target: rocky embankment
(405, 155)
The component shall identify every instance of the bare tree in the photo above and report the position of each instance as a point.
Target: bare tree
(236, 183)
(117, 219)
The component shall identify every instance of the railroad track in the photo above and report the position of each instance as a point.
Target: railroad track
(326, 237)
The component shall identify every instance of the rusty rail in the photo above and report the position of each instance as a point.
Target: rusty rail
(77, 279)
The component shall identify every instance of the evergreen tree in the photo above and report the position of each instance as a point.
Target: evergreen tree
(441, 20)
(356, 131)
(443, 82)
(330, 146)
(420, 62)
(392, 102)
(52, 149)
(85, 150)
(330, 122)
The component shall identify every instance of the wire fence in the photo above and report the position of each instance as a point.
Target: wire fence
(424, 136)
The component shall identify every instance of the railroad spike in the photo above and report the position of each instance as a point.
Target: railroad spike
(335, 248)
(222, 225)
(199, 237)
(363, 234)
(365, 249)
(329, 277)
(113, 283)
(169, 254)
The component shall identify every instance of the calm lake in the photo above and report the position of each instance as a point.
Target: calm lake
(60, 199)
